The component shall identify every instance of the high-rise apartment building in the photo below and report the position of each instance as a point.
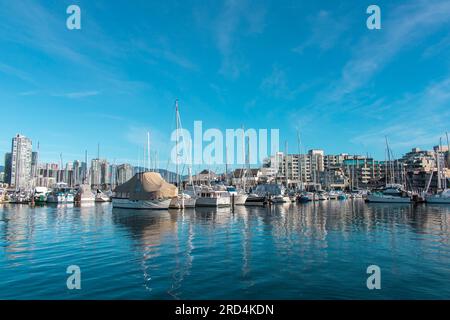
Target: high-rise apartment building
(21, 151)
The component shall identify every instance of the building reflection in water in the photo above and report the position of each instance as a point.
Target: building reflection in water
(174, 249)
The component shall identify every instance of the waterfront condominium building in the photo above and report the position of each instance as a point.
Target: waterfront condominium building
(21, 151)
(295, 169)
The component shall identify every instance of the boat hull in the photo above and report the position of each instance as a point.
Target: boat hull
(60, 199)
(179, 204)
(240, 199)
(256, 201)
(387, 199)
(438, 200)
(157, 204)
(280, 199)
(213, 202)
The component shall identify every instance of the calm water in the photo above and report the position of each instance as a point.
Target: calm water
(311, 251)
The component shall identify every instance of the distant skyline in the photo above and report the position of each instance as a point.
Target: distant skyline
(261, 64)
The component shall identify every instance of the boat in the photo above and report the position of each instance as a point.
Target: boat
(265, 193)
(280, 199)
(61, 193)
(3, 198)
(391, 193)
(442, 197)
(186, 198)
(443, 194)
(342, 196)
(209, 197)
(84, 194)
(183, 201)
(238, 197)
(40, 195)
(305, 197)
(101, 196)
(146, 190)
(254, 199)
(320, 196)
(333, 195)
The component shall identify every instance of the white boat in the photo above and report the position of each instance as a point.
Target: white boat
(255, 200)
(392, 193)
(333, 195)
(239, 196)
(154, 204)
(61, 193)
(2, 195)
(40, 194)
(183, 201)
(145, 191)
(84, 194)
(280, 199)
(100, 196)
(208, 197)
(264, 193)
(442, 197)
(320, 196)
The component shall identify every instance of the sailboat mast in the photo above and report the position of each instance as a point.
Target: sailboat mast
(448, 151)
(226, 165)
(148, 152)
(244, 153)
(176, 144)
(286, 162)
(389, 160)
(299, 160)
(439, 168)
(99, 169)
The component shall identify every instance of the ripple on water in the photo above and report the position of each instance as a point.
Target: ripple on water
(309, 251)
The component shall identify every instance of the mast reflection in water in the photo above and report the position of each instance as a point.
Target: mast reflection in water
(311, 251)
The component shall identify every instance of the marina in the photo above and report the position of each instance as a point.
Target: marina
(225, 152)
(314, 250)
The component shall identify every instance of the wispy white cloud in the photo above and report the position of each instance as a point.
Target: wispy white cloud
(419, 119)
(410, 117)
(327, 30)
(29, 93)
(163, 52)
(276, 84)
(76, 95)
(405, 26)
(15, 72)
(237, 18)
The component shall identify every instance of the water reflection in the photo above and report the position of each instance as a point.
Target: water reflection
(248, 252)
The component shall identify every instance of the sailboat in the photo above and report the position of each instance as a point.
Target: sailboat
(392, 192)
(85, 194)
(443, 193)
(146, 190)
(187, 198)
(238, 195)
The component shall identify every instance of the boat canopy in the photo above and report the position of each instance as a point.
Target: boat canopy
(272, 189)
(146, 186)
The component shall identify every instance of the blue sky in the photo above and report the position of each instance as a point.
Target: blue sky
(261, 64)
